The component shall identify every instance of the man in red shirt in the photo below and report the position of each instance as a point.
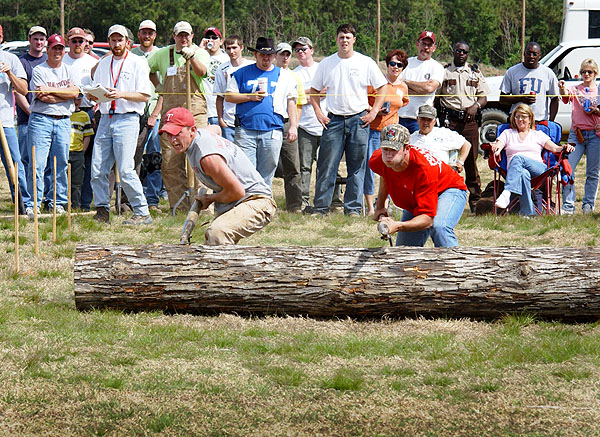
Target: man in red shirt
(432, 195)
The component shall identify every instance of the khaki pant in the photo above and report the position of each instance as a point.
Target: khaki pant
(241, 221)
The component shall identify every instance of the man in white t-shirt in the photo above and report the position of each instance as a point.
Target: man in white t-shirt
(346, 75)
(234, 47)
(423, 76)
(125, 76)
(446, 145)
(212, 43)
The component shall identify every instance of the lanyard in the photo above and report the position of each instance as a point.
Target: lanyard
(113, 103)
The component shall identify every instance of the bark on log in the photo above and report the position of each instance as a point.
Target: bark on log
(477, 282)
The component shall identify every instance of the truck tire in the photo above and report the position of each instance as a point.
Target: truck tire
(491, 118)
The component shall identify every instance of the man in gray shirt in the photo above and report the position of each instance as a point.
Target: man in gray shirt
(533, 84)
(242, 199)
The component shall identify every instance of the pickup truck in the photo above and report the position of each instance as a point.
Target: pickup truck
(565, 60)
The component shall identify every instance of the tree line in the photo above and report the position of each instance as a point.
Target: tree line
(491, 27)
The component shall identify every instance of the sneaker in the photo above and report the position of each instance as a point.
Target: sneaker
(566, 212)
(138, 220)
(503, 200)
(353, 214)
(155, 209)
(102, 215)
(30, 213)
(587, 209)
(60, 209)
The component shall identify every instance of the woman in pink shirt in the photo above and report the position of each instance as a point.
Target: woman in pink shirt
(524, 147)
(585, 132)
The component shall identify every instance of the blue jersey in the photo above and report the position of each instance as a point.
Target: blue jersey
(261, 115)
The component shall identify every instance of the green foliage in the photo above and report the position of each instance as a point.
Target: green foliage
(491, 27)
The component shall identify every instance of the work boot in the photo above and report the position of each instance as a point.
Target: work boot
(138, 220)
(102, 214)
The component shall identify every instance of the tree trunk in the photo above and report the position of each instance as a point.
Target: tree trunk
(477, 282)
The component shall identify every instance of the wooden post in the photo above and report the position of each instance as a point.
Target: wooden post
(54, 202)
(35, 207)
(62, 18)
(523, 31)
(16, 184)
(223, 18)
(69, 198)
(9, 161)
(188, 95)
(378, 31)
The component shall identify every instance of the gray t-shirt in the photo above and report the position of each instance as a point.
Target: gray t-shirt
(7, 101)
(206, 144)
(60, 77)
(542, 81)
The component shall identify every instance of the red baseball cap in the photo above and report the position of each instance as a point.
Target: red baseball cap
(176, 119)
(427, 34)
(213, 30)
(55, 40)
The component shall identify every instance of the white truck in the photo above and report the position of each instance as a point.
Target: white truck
(565, 60)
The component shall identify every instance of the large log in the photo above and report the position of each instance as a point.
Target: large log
(478, 282)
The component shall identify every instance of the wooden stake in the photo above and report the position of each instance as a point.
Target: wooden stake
(16, 185)
(54, 202)
(69, 198)
(35, 208)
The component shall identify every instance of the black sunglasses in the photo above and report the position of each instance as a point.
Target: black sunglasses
(301, 49)
(462, 51)
(211, 37)
(78, 40)
(587, 72)
(396, 64)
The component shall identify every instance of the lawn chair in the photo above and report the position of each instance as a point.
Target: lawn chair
(546, 188)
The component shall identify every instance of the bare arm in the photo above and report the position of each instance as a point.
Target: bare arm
(315, 101)
(422, 88)
(462, 156)
(23, 103)
(216, 167)
(553, 108)
(198, 67)
(550, 145)
(509, 99)
(379, 98)
(127, 95)
(56, 95)
(292, 134)
(86, 143)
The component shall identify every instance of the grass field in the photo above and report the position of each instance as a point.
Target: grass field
(63, 372)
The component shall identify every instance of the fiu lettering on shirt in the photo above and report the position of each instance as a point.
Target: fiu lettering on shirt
(431, 159)
(530, 84)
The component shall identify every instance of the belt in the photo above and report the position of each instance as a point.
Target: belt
(87, 108)
(56, 117)
(331, 114)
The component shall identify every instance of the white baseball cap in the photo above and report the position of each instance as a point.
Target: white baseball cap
(147, 24)
(182, 26)
(117, 28)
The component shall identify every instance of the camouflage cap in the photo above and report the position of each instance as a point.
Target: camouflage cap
(394, 136)
(427, 111)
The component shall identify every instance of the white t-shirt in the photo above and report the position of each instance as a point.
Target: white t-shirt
(443, 143)
(222, 77)
(60, 77)
(130, 74)
(80, 68)
(308, 119)
(211, 98)
(347, 80)
(420, 71)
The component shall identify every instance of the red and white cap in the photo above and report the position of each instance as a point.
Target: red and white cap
(427, 34)
(176, 119)
(54, 40)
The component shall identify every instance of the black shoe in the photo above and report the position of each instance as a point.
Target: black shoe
(102, 215)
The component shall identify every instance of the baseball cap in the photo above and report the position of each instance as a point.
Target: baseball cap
(37, 29)
(55, 40)
(213, 30)
(182, 26)
(117, 28)
(176, 119)
(147, 24)
(75, 32)
(427, 111)
(302, 41)
(394, 136)
(427, 34)
(283, 47)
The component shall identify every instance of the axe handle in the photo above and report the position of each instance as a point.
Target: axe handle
(9, 161)
(191, 219)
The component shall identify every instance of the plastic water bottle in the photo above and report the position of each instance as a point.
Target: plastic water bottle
(587, 103)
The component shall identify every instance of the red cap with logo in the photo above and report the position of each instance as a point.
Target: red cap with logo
(213, 30)
(176, 119)
(427, 34)
(55, 40)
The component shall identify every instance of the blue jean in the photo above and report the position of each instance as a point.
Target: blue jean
(51, 137)
(153, 181)
(591, 148)
(116, 140)
(409, 123)
(342, 135)
(87, 194)
(213, 120)
(228, 133)
(262, 148)
(13, 147)
(374, 141)
(518, 180)
(451, 204)
(24, 146)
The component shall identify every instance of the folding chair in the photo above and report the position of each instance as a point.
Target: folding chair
(558, 171)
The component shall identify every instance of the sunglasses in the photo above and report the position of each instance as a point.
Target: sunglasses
(214, 37)
(301, 49)
(396, 64)
(78, 40)
(587, 72)
(521, 117)
(462, 51)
